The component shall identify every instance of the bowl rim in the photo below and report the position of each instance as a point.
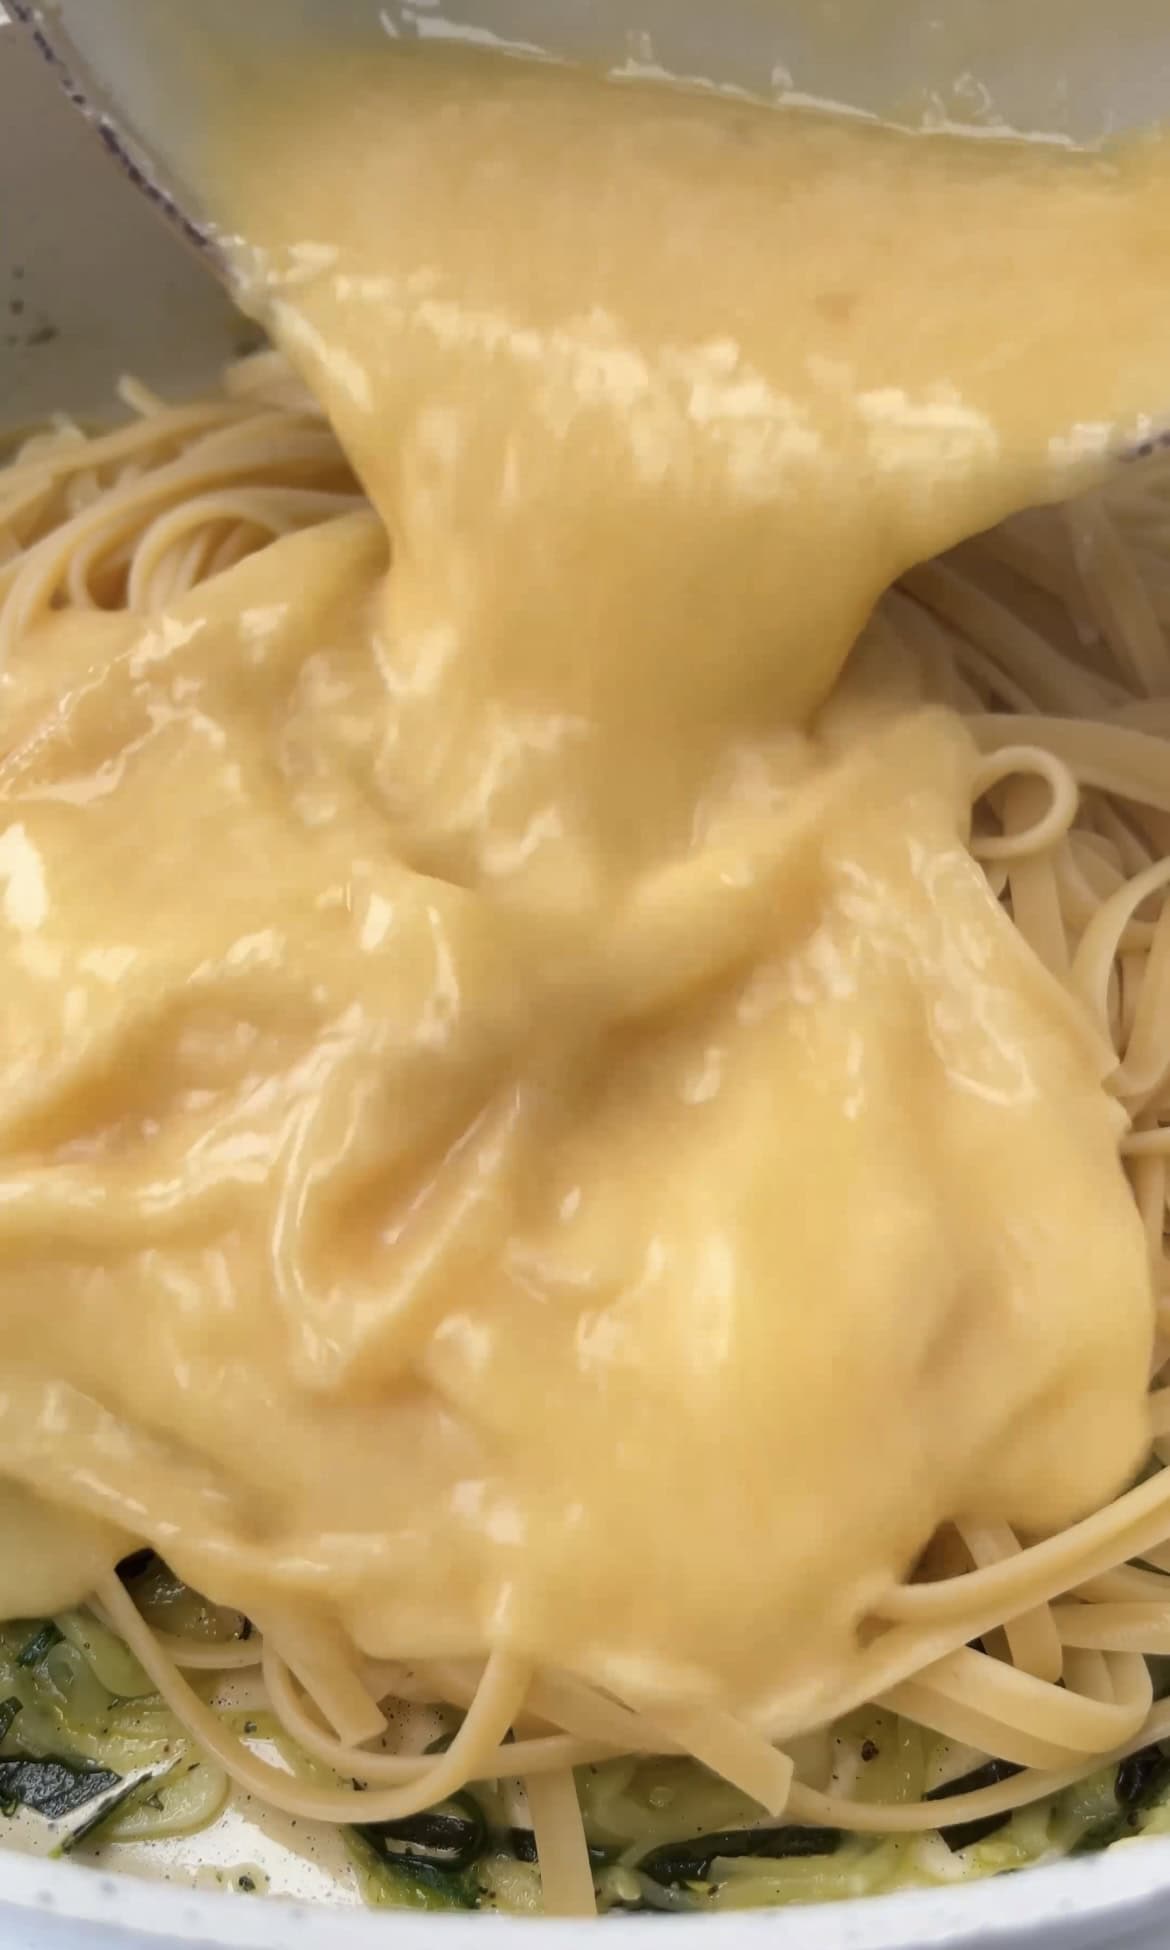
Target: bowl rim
(56, 48)
(1115, 1899)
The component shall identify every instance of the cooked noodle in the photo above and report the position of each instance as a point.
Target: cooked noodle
(1050, 636)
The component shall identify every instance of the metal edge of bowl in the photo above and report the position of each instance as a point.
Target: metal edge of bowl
(56, 48)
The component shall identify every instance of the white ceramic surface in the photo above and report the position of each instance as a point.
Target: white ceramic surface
(91, 282)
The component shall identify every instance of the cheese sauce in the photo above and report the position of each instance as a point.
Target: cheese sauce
(524, 1124)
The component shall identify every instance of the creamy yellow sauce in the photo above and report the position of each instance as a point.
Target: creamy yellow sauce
(523, 1122)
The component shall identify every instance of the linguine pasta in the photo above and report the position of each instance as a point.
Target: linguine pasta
(1050, 637)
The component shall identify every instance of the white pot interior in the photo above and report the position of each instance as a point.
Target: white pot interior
(91, 284)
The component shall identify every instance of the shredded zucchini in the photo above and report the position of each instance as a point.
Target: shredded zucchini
(87, 1746)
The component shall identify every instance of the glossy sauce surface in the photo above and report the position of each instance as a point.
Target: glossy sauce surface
(524, 1123)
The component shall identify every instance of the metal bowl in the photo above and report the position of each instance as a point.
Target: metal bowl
(1065, 69)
